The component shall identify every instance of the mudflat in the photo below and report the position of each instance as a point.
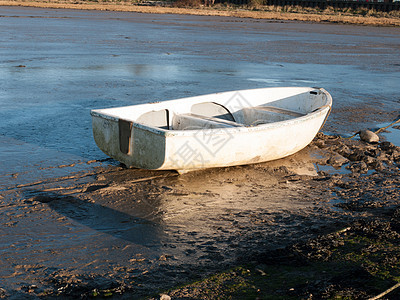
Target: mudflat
(75, 223)
(134, 233)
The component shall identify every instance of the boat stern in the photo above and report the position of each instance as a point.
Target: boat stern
(129, 143)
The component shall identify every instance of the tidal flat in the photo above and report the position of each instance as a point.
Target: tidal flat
(75, 223)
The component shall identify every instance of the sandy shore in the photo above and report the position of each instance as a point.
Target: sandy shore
(272, 13)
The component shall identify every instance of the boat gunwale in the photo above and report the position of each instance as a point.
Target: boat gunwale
(169, 132)
(190, 132)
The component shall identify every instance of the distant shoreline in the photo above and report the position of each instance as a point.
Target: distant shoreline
(269, 13)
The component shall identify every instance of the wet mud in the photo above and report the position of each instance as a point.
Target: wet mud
(357, 262)
(354, 256)
(75, 223)
(127, 232)
(142, 230)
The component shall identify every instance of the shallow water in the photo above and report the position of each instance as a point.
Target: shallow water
(392, 133)
(57, 65)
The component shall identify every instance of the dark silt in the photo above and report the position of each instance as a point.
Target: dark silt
(70, 215)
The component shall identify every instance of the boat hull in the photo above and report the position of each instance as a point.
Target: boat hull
(152, 147)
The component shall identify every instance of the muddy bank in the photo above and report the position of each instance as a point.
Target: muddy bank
(261, 12)
(358, 261)
(126, 233)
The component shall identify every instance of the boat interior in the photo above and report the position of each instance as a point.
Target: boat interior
(210, 115)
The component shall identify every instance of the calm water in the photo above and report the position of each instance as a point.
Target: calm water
(57, 65)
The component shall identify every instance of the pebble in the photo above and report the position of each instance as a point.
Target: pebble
(357, 155)
(387, 146)
(369, 136)
(165, 297)
(369, 160)
(358, 167)
(337, 160)
(344, 150)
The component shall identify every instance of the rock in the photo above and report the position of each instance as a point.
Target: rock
(396, 155)
(387, 146)
(374, 152)
(165, 297)
(379, 166)
(320, 144)
(337, 160)
(357, 155)
(369, 160)
(358, 167)
(344, 150)
(368, 136)
(382, 157)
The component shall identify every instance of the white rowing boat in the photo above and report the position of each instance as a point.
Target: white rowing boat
(215, 130)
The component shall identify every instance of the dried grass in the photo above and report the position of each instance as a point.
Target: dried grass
(187, 3)
(254, 10)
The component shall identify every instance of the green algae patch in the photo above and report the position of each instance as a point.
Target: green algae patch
(225, 285)
(325, 280)
(379, 254)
